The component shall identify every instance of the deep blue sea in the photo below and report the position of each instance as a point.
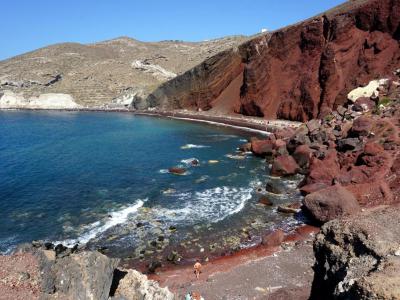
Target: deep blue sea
(92, 177)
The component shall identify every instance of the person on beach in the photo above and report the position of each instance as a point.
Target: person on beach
(197, 268)
(194, 296)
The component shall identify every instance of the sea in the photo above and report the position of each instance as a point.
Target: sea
(101, 180)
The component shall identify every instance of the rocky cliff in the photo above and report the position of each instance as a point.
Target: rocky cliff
(359, 257)
(299, 72)
(49, 272)
(109, 74)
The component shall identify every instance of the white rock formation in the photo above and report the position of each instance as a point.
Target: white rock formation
(136, 286)
(155, 70)
(370, 90)
(11, 100)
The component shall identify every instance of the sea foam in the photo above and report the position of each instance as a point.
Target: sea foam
(98, 227)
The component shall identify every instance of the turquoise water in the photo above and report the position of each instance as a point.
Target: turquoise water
(91, 178)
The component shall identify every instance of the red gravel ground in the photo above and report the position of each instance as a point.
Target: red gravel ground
(19, 277)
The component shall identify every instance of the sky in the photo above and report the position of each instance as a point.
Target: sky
(27, 25)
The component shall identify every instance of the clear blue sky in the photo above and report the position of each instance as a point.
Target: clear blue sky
(30, 24)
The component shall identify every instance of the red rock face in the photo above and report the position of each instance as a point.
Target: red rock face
(299, 72)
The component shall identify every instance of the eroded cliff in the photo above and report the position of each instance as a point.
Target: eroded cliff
(299, 72)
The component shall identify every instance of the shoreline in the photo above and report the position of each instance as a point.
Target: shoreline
(240, 122)
(170, 275)
(176, 277)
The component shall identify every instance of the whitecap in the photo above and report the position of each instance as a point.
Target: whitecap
(163, 171)
(98, 227)
(193, 146)
(9, 244)
(212, 205)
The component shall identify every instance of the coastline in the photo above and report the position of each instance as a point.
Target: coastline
(224, 262)
(240, 122)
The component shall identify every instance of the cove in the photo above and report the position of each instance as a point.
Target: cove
(101, 180)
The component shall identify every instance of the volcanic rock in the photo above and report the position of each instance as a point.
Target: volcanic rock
(299, 72)
(262, 148)
(136, 286)
(331, 203)
(284, 165)
(356, 257)
(177, 171)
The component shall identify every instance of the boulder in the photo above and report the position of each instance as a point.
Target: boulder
(350, 144)
(313, 125)
(177, 171)
(302, 156)
(135, 286)
(84, 275)
(262, 148)
(331, 203)
(324, 170)
(263, 200)
(361, 126)
(359, 257)
(271, 188)
(364, 104)
(245, 147)
(284, 165)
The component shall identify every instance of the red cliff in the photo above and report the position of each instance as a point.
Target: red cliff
(299, 72)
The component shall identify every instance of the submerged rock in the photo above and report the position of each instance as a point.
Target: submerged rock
(177, 171)
(263, 200)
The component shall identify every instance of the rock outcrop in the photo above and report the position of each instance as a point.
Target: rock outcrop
(12, 100)
(135, 286)
(350, 158)
(359, 257)
(49, 272)
(299, 72)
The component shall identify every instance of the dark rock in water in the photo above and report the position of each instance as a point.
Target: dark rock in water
(245, 147)
(139, 224)
(284, 165)
(274, 238)
(153, 266)
(291, 208)
(48, 246)
(174, 257)
(271, 188)
(359, 257)
(177, 171)
(265, 201)
(60, 249)
(37, 244)
(331, 203)
(172, 228)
